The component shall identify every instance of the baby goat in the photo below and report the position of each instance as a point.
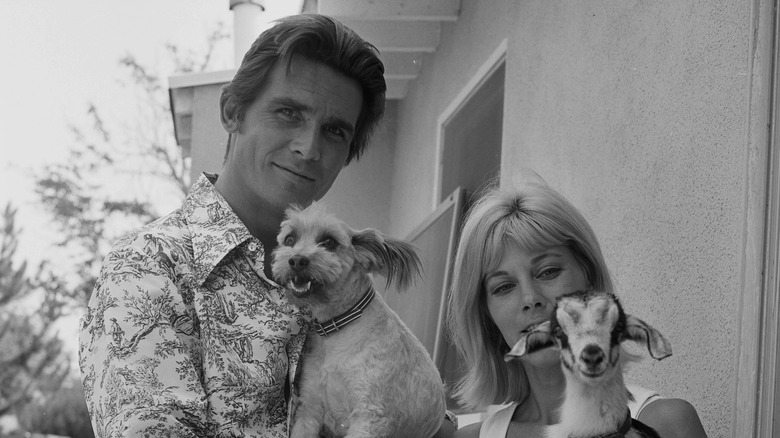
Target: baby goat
(588, 328)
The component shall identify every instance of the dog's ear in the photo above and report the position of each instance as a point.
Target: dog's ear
(396, 259)
(292, 210)
(641, 332)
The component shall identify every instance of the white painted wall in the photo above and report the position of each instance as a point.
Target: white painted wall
(640, 113)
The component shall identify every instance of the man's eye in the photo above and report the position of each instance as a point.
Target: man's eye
(289, 240)
(329, 243)
(288, 112)
(336, 131)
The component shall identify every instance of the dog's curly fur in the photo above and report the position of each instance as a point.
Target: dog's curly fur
(372, 378)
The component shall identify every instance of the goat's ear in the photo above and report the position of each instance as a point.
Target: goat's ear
(396, 259)
(532, 341)
(640, 331)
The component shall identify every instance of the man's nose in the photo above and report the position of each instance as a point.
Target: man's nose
(307, 143)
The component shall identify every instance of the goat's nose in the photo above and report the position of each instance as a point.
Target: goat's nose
(298, 262)
(592, 355)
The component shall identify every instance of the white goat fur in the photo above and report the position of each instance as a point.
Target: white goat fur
(373, 378)
(588, 328)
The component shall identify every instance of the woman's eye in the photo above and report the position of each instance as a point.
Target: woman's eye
(289, 240)
(329, 243)
(501, 288)
(549, 273)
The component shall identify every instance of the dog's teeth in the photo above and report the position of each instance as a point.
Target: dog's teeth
(292, 284)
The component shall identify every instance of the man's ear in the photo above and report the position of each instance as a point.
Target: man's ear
(228, 114)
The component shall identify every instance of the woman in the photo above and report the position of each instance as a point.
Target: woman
(519, 250)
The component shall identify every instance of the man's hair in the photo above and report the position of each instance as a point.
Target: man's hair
(533, 216)
(317, 38)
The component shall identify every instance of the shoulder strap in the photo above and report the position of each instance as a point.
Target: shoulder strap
(497, 424)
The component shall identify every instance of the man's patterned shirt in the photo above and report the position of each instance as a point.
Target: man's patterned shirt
(184, 334)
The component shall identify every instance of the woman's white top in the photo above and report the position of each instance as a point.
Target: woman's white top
(497, 424)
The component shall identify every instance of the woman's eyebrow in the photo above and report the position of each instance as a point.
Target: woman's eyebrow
(548, 254)
(491, 275)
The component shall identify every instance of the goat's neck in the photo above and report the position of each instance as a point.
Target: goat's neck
(594, 408)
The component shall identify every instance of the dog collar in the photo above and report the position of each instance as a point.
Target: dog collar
(335, 324)
(622, 431)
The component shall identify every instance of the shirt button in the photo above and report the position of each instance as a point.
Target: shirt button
(252, 246)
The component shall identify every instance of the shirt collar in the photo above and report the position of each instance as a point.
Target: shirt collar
(214, 227)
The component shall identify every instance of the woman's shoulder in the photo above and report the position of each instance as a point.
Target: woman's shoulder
(673, 417)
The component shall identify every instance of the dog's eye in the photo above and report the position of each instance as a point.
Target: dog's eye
(289, 240)
(329, 243)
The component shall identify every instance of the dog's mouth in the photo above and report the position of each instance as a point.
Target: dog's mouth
(300, 285)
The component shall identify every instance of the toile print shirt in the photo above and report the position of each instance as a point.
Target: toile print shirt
(184, 335)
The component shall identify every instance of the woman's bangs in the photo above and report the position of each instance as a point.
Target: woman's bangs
(531, 235)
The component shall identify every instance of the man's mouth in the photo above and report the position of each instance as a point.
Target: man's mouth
(297, 173)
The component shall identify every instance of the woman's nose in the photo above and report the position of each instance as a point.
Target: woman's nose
(533, 300)
(533, 305)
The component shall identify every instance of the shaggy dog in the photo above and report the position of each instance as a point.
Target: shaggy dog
(364, 373)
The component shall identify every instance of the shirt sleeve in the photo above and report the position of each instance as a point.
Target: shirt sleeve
(137, 353)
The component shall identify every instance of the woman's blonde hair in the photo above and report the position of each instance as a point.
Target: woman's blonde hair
(535, 216)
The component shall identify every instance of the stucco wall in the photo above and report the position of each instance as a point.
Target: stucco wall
(637, 111)
(208, 137)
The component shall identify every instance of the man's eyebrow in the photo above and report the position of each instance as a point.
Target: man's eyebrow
(288, 101)
(300, 106)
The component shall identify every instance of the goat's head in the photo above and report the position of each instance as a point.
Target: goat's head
(588, 328)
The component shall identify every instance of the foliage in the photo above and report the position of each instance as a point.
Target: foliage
(143, 163)
(146, 170)
(64, 413)
(30, 353)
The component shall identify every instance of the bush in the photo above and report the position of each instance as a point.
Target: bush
(65, 413)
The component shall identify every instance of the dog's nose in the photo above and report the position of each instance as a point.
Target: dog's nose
(592, 356)
(298, 262)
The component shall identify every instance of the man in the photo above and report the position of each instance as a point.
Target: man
(186, 333)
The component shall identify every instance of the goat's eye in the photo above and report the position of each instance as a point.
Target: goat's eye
(329, 243)
(289, 240)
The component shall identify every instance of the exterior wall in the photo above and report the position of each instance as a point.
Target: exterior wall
(639, 112)
(208, 137)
